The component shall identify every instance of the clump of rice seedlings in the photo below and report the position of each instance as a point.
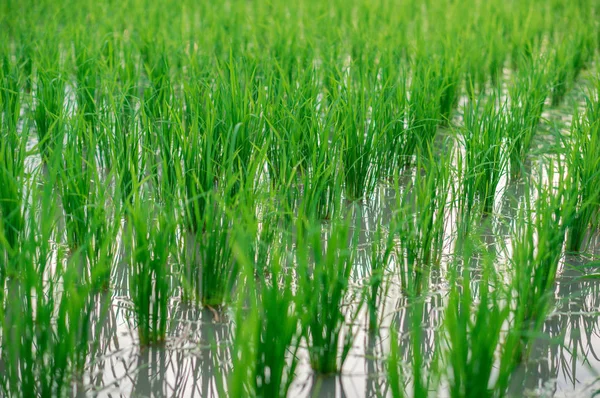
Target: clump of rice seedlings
(293, 125)
(420, 220)
(268, 330)
(49, 109)
(475, 316)
(527, 95)
(11, 101)
(537, 244)
(583, 161)
(87, 78)
(523, 35)
(449, 77)
(76, 173)
(323, 173)
(486, 159)
(210, 270)
(361, 138)
(125, 141)
(538, 241)
(150, 237)
(324, 262)
(426, 90)
(44, 324)
(485, 51)
(158, 92)
(12, 168)
(237, 101)
(322, 181)
(89, 225)
(201, 152)
(568, 58)
(390, 114)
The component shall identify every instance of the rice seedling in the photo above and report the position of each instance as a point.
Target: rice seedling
(424, 106)
(538, 241)
(293, 125)
(582, 161)
(49, 109)
(527, 97)
(486, 159)
(474, 322)
(45, 323)
(322, 181)
(361, 137)
(150, 239)
(210, 270)
(12, 168)
(125, 140)
(390, 113)
(324, 273)
(420, 220)
(569, 57)
(268, 331)
(202, 151)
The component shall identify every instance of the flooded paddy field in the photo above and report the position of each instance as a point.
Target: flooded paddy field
(299, 199)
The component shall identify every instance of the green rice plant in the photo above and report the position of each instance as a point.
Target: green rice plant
(125, 140)
(424, 106)
(377, 285)
(537, 244)
(449, 76)
(419, 221)
(390, 112)
(523, 34)
(527, 95)
(569, 57)
(91, 228)
(11, 101)
(49, 109)
(486, 158)
(268, 329)
(292, 120)
(150, 237)
(87, 75)
(202, 151)
(159, 91)
(210, 270)
(323, 266)
(484, 52)
(322, 181)
(237, 100)
(475, 317)
(13, 194)
(395, 375)
(170, 137)
(582, 158)
(76, 173)
(44, 325)
(361, 137)
(538, 241)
